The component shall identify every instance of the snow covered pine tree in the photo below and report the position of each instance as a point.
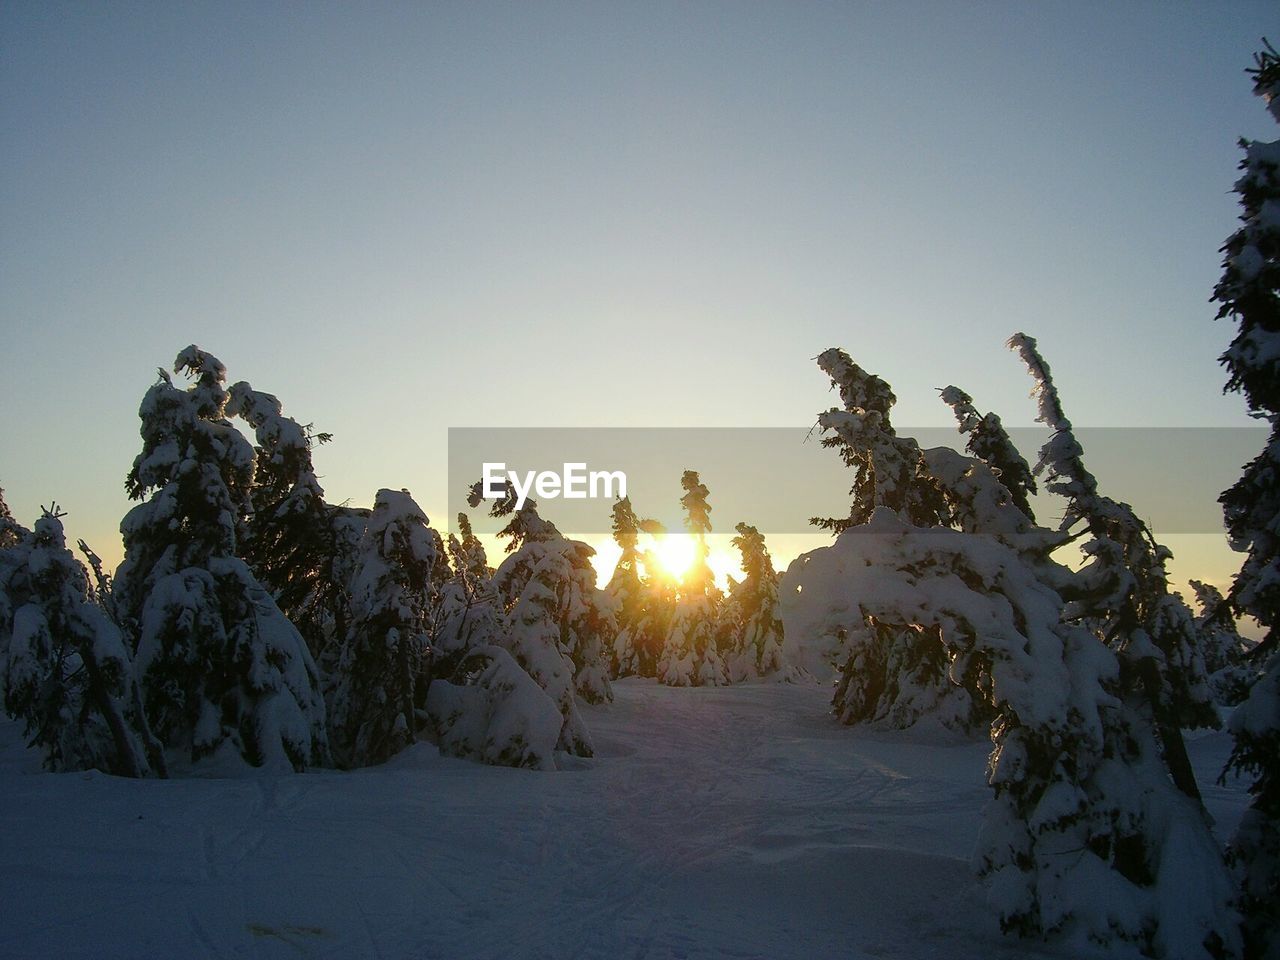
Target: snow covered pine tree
(536, 581)
(990, 443)
(1249, 292)
(641, 614)
(891, 673)
(292, 542)
(1122, 593)
(373, 715)
(1226, 653)
(1086, 838)
(466, 613)
(755, 644)
(482, 704)
(64, 668)
(553, 626)
(10, 532)
(689, 655)
(226, 678)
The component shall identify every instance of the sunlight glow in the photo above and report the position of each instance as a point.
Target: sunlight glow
(675, 553)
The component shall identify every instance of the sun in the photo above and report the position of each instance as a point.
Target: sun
(676, 553)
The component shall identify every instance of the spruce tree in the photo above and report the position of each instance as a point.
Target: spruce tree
(481, 702)
(1122, 592)
(891, 673)
(469, 559)
(10, 531)
(64, 667)
(641, 627)
(1249, 294)
(690, 656)
(291, 541)
(373, 714)
(15, 546)
(1225, 651)
(990, 443)
(659, 605)
(756, 628)
(225, 676)
(589, 625)
(532, 581)
(491, 710)
(584, 615)
(466, 614)
(889, 470)
(627, 589)
(1086, 839)
(557, 623)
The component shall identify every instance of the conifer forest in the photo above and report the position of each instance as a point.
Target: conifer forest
(985, 717)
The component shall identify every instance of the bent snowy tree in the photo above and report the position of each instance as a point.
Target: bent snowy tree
(891, 673)
(225, 677)
(1087, 837)
(1122, 593)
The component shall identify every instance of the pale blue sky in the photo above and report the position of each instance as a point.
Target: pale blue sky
(401, 217)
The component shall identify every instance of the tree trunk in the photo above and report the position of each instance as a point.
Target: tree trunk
(155, 750)
(130, 764)
(1171, 743)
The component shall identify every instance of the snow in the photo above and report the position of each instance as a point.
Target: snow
(713, 822)
(500, 716)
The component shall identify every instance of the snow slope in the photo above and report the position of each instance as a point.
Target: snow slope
(735, 822)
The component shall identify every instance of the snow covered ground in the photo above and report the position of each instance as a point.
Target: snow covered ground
(737, 822)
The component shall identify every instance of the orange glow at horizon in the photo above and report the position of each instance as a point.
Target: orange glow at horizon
(675, 552)
(675, 555)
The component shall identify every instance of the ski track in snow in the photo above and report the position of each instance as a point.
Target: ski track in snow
(739, 822)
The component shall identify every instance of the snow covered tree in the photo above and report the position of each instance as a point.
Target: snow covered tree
(626, 586)
(583, 614)
(15, 545)
(467, 554)
(558, 624)
(226, 678)
(589, 625)
(1086, 837)
(1249, 293)
(977, 501)
(990, 443)
(64, 668)
(482, 703)
(641, 624)
(1122, 592)
(756, 630)
(889, 470)
(554, 622)
(532, 580)
(292, 542)
(690, 656)
(467, 612)
(891, 673)
(10, 531)
(491, 710)
(660, 596)
(1255, 848)
(1225, 651)
(372, 714)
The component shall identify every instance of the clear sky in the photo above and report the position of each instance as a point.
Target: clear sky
(401, 217)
